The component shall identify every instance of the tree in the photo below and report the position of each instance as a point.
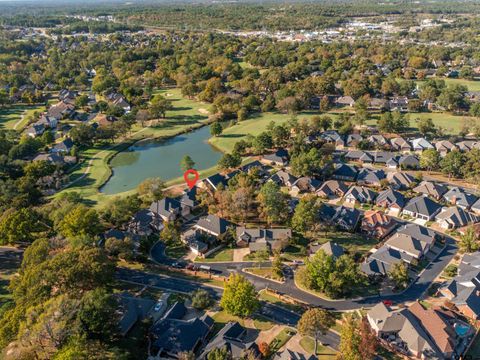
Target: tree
(468, 241)
(18, 226)
(308, 163)
(290, 105)
(216, 128)
(170, 233)
(277, 266)
(81, 101)
(452, 164)
(201, 299)
(159, 106)
(80, 221)
(239, 296)
(273, 203)
(430, 159)
(369, 343)
(426, 126)
(219, 354)
(264, 349)
(305, 218)
(151, 189)
(187, 163)
(315, 323)
(399, 275)
(350, 339)
(229, 161)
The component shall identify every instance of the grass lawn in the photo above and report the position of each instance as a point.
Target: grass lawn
(472, 85)
(308, 344)
(262, 323)
(11, 116)
(176, 251)
(281, 339)
(265, 296)
(265, 272)
(222, 255)
(221, 318)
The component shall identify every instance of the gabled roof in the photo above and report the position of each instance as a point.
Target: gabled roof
(361, 194)
(283, 177)
(400, 179)
(423, 205)
(332, 249)
(232, 337)
(408, 161)
(370, 176)
(400, 143)
(421, 144)
(381, 261)
(456, 216)
(307, 183)
(213, 224)
(431, 189)
(280, 156)
(444, 145)
(333, 187)
(189, 198)
(460, 197)
(345, 170)
(165, 207)
(390, 197)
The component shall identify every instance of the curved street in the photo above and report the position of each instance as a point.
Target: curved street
(415, 291)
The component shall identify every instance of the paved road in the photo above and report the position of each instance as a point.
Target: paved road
(415, 291)
(276, 313)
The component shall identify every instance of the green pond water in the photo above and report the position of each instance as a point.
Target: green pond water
(160, 159)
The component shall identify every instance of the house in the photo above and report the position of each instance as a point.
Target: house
(345, 101)
(288, 354)
(189, 199)
(105, 121)
(398, 103)
(35, 130)
(144, 222)
(382, 157)
(330, 248)
(332, 189)
(283, 178)
(333, 137)
(400, 144)
(418, 332)
(476, 207)
(353, 140)
(455, 217)
(377, 224)
(378, 141)
(65, 146)
(464, 289)
(341, 216)
(132, 310)
(263, 239)
(279, 157)
(232, 337)
(370, 177)
(467, 145)
(413, 239)
(382, 260)
(214, 181)
(119, 100)
(172, 335)
(359, 155)
(360, 194)
(47, 121)
(422, 207)
(408, 162)
(212, 224)
(431, 189)
(51, 158)
(67, 96)
(169, 209)
(459, 197)
(421, 144)
(305, 184)
(196, 240)
(377, 104)
(61, 111)
(444, 147)
(400, 180)
(392, 200)
(344, 172)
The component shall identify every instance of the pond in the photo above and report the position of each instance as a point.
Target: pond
(160, 158)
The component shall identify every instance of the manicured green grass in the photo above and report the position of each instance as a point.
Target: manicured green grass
(472, 85)
(176, 251)
(265, 296)
(256, 124)
(265, 272)
(308, 344)
(222, 318)
(261, 323)
(281, 339)
(12, 115)
(220, 256)
(353, 242)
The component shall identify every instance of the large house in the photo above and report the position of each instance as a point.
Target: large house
(263, 239)
(459, 197)
(279, 157)
(344, 172)
(418, 332)
(392, 200)
(283, 178)
(422, 207)
(213, 225)
(455, 217)
(341, 216)
(414, 240)
(332, 189)
(400, 180)
(431, 189)
(360, 194)
(377, 224)
(169, 209)
(370, 177)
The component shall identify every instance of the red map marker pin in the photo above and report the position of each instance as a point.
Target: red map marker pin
(191, 180)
